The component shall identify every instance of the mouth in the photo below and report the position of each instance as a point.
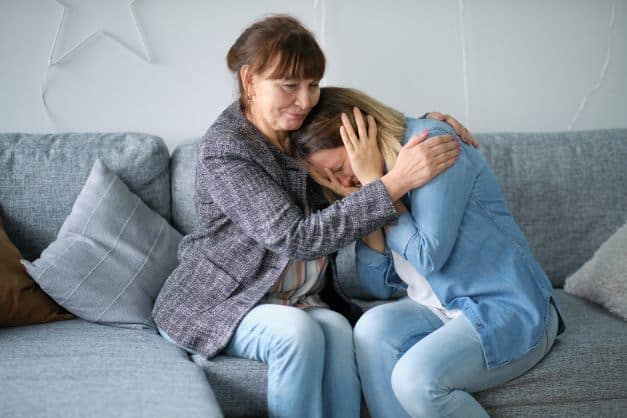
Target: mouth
(297, 116)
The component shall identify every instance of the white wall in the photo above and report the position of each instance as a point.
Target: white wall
(537, 65)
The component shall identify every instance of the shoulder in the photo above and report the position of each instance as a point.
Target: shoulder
(230, 134)
(414, 126)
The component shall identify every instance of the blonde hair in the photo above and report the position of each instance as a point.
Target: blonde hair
(321, 128)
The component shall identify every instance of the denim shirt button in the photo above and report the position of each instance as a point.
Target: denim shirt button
(478, 324)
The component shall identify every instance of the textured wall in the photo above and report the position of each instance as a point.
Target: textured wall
(158, 66)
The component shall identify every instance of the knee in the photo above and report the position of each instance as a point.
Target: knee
(372, 327)
(335, 326)
(414, 388)
(300, 337)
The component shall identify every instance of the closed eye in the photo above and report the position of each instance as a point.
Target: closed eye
(338, 168)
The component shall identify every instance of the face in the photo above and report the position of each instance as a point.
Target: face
(336, 160)
(279, 106)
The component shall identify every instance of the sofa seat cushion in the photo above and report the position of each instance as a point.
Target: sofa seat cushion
(585, 366)
(240, 385)
(81, 369)
(585, 371)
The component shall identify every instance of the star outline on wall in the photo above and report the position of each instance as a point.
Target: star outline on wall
(144, 55)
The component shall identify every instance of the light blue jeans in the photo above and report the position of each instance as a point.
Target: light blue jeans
(411, 364)
(310, 357)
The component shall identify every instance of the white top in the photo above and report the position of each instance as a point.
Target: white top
(419, 289)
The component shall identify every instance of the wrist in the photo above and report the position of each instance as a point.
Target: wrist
(369, 178)
(394, 185)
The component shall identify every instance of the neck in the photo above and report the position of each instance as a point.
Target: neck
(280, 139)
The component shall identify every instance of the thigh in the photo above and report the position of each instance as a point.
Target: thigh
(399, 324)
(452, 358)
(266, 326)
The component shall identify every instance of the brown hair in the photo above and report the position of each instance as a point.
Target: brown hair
(321, 128)
(278, 40)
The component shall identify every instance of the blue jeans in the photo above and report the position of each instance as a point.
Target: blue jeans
(411, 364)
(310, 357)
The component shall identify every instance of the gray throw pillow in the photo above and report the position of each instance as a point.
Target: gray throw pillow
(111, 256)
(603, 278)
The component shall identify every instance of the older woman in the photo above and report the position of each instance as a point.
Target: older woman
(251, 271)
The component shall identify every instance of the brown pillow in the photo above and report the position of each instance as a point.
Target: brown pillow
(22, 301)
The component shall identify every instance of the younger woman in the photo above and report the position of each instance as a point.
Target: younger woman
(479, 309)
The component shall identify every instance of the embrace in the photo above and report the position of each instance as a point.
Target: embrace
(290, 173)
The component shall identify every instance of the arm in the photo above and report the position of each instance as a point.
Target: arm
(253, 200)
(375, 271)
(425, 236)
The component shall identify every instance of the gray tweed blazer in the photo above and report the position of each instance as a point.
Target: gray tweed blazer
(250, 201)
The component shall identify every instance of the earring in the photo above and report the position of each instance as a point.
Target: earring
(250, 99)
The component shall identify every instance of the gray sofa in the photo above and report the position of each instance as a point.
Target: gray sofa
(567, 190)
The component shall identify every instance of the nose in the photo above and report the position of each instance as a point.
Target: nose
(304, 98)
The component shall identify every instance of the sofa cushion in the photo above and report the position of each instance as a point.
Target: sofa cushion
(584, 370)
(111, 256)
(240, 385)
(566, 190)
(81, 369)
(22, 301)
(43, 174)
(548, 180)
(603, 279)
(183, 183)
(586, 364)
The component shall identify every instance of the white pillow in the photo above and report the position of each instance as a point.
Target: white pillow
(603, 278)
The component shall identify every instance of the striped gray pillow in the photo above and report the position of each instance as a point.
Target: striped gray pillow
(111, 256)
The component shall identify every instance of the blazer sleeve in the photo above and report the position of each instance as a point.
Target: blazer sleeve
(426, 235)
(251, 198)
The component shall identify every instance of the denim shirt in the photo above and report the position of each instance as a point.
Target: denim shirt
(459, 234)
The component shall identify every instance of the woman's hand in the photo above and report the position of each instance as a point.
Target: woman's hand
(459, 129)
(418, 162)
(329, 180)
(362, 148)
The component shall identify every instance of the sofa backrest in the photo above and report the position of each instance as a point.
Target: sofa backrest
(43, 174)
(183, 183)
(567, 191)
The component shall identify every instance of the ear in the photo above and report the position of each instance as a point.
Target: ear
(246, 75)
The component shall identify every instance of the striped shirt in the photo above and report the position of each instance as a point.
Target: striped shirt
(299, 285)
